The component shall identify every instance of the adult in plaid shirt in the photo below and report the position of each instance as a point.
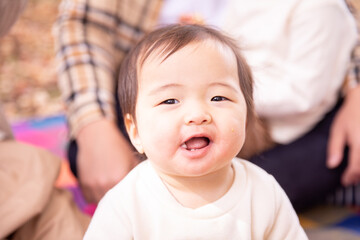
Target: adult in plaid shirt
(92, 39)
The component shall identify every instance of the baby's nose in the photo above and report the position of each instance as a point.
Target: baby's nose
(198, 116)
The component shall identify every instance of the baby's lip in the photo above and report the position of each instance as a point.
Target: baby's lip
(196, 142)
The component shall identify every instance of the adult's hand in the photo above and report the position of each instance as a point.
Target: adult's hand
(104, 158)
(345, 131)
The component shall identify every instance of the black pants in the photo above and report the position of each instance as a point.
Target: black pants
(299, 167)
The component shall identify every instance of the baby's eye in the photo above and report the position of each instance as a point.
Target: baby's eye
(170, 101)
(219, 98)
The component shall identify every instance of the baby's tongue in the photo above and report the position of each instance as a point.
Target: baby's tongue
(196, 143)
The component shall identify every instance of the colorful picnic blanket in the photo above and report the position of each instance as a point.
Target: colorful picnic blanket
(325, 222)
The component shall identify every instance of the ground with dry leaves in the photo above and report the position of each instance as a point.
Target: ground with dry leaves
(28, 85)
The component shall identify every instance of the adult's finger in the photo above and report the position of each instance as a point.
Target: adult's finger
(336, 145)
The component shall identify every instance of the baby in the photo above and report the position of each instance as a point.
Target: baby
(186, 96)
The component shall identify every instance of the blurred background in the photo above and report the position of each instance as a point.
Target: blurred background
(29, 90)
(28, 85)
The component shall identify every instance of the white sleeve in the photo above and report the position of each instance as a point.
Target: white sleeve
(108, 222)
(286, 223)
(321, 37)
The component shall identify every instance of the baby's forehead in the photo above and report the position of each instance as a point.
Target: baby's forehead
(164, 51)
(197, 60)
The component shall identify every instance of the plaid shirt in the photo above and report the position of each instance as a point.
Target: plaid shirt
(91, 39)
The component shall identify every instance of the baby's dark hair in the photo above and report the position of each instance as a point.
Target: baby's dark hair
(166, 41)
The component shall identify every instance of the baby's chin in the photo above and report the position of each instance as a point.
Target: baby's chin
(203, 169)
(180, 165)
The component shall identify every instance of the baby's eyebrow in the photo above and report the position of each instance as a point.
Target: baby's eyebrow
(162, 88)
(226, 85)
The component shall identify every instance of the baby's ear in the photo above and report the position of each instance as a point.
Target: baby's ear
(132, 131)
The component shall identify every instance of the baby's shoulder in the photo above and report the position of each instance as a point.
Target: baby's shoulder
(260, 188)
(254, 176)
(250, 168)
(130, 184)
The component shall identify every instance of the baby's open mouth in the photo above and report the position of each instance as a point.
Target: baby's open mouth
(196, 143)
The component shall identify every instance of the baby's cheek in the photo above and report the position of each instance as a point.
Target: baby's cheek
(236, 135)
(164, 136)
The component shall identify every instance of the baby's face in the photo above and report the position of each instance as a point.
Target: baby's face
(190, 112)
